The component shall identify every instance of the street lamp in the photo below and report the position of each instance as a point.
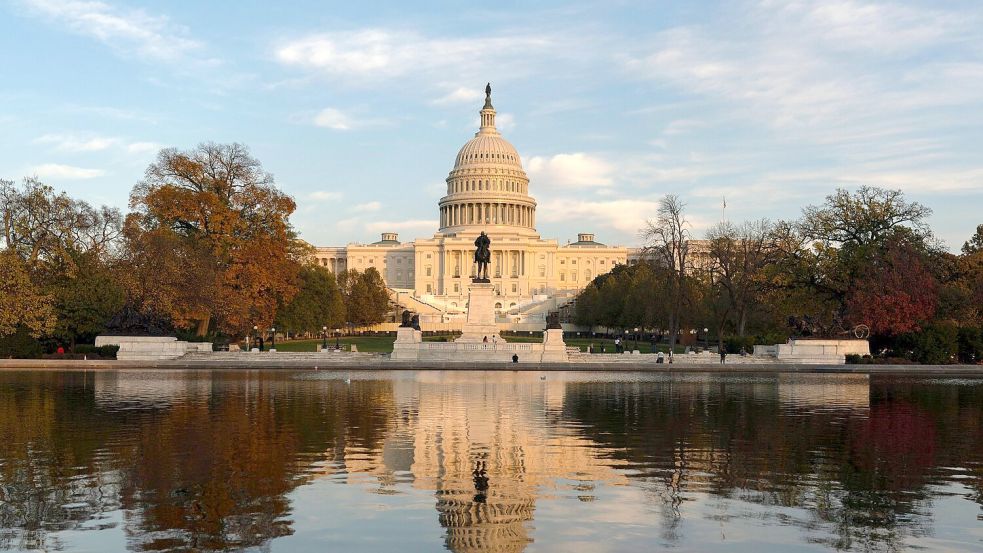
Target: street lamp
(706, 338)
(324, 337)
(337, 340)
(636, 338)
(255, 335)
(272, 337)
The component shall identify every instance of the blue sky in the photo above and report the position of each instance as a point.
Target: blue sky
(358, 109)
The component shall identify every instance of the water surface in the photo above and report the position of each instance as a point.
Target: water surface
(488, 461)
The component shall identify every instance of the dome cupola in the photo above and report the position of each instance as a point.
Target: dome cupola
(487, 188)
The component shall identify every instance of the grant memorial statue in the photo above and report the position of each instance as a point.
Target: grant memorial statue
(482, 257)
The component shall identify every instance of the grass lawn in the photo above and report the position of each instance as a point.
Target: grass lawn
(363, 343)
(384, 344)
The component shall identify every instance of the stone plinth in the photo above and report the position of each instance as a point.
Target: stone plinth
(151, 348)
(480, 327)
(554, 348)
(407, 344)
(814, 351)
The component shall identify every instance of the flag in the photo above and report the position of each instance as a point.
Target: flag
(725, 203)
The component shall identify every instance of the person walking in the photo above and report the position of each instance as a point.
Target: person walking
(723, 356)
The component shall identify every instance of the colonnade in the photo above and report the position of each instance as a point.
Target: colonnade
(505, 263)
(485, 213)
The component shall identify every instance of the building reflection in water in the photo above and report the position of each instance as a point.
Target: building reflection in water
(210, 460)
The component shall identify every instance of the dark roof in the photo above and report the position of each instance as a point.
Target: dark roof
(386, 243)
(587, 244)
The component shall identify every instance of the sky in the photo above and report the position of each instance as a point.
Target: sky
(358, 108)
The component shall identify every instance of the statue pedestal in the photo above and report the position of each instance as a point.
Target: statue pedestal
(407, 344)
(480, 324)
(554, 348)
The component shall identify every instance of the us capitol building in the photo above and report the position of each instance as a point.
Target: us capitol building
(487, 190)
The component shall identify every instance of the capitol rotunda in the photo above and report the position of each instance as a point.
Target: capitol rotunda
(487, 190)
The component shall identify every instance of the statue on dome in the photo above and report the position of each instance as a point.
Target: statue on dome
(482, 257)
(488, 89)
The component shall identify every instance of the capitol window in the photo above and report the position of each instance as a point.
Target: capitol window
(563, 277)
(428, 270)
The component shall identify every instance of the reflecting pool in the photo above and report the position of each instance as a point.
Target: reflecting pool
(488, 461)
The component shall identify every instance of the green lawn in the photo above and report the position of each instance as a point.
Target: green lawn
(384, 344)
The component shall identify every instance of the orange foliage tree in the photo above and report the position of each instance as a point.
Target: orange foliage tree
(210, 240)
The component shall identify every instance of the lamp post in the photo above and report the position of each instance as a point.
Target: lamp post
(255, 335)
(706, 338)
(636, 339)
(272, 337)
(324, 337)
(692, 332)
(624, 343)
(337, 340)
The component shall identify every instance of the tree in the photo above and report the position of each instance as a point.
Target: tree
(366, 296)
(318, 303)
(667, 240)
(45, 228)
(84, 301)
(843, 238)
(869, 216)
(739, 257)
(223, 211)
(22, 304)
(895, 294)
(975, 243)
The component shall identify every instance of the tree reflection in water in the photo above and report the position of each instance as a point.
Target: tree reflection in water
(209, 460)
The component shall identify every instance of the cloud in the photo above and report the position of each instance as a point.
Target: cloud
(385, 53)
(368, 206)
(324, 196)
(127, 31)
(58, 171)
(399, 226)
(333, 119)
(75, 143)
(460, 95)
(142, 147)
(627, 216)
(576, 170)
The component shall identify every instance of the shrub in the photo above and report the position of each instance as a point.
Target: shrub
(20, 345)
(970, 344)
(935, 344)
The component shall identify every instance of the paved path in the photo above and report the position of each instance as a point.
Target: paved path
(381, 362)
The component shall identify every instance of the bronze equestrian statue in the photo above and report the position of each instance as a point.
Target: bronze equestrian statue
(482, 256)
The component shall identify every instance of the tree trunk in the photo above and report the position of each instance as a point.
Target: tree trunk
(202, 329)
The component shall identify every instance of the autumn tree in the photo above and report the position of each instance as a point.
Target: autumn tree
(225, 214)
(318, 303)
(850, 235)
(22, 304)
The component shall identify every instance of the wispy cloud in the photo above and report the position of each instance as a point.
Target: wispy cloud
(400, 226)
(76, 143)
(460, 95)
(142, 147)
(332, 118)
(325, 196)
(575, 170)
(67, 172)
(386, 53)
(367, 207)
(128, 31)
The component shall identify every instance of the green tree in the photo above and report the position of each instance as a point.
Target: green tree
(366, 296)
(975, 243)
(318, 303)
(85, 300)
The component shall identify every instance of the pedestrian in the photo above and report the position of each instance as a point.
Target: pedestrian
(484, 340)
(590, 348)
(61, 350)
(515, 357)
(602, 347)
(670, 356)
(723, 355)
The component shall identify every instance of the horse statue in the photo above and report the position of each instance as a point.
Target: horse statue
(482, 256)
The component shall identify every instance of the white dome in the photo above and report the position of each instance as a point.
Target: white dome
(486, 149)
(487, 188)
